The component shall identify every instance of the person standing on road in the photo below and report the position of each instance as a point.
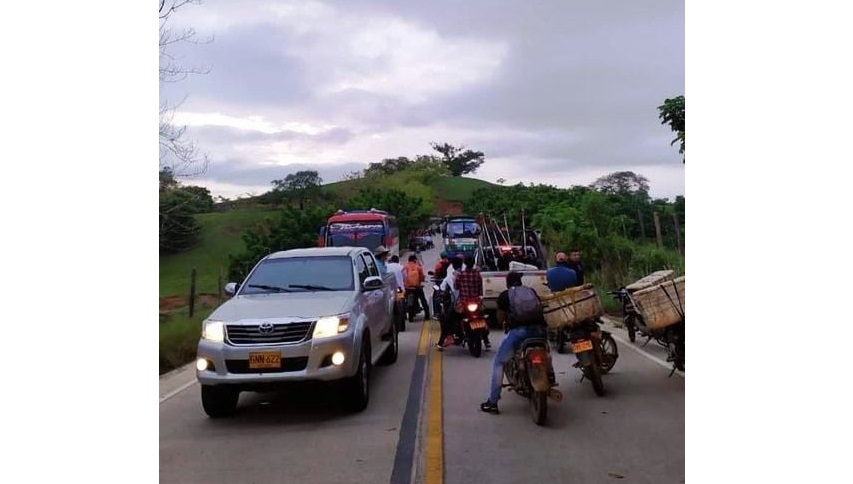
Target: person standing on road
(396, 268)
(520, 312)
(439, 273)
(381, 254)
(414, 277)
(574, 263)
(561, 276)
(450, 322)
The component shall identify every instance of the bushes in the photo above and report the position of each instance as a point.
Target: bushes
(294, 229)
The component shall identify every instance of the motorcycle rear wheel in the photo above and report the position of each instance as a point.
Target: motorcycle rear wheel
(609, 353)
(593, 373)
(475, 345)
(631, 325)
(539, 407)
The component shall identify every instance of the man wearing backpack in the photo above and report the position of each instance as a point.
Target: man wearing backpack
(413, 276)
(520, 312)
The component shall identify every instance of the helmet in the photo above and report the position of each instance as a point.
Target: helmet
(443, 254)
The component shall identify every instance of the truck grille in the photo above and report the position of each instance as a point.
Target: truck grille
(287, 364)
(281, 333)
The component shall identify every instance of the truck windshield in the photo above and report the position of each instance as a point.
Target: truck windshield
(301, 274)
(463, 229)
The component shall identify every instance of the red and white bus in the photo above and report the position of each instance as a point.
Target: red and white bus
(361, 228)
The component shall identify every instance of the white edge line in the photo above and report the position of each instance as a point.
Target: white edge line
(179, 390)
(653, 358)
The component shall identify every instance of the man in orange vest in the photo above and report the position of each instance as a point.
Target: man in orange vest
(413, 273)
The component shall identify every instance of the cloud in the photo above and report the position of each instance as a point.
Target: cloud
(548, 90)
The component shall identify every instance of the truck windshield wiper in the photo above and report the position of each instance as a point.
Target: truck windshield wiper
(311, 287)
(270, 288)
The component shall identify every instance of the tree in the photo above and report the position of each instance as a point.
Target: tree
(294, 229)
(201, 201)
(621, 183)
(299, 186)
(409, 211)
(672, 112)
(176, 151)
(178, 228)
(167, 179)
(457, 161)
(501, 181)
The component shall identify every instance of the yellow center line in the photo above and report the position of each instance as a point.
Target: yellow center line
(423, 343)
(434, 468)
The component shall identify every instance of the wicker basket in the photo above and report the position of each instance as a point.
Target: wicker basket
(661, 305)
(652, 279)
(572, 306)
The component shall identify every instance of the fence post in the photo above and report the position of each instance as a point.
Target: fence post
(192, 292)
(219, 288)
(657, 231)
(677, 234)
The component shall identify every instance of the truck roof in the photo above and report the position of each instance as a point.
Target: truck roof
(315, 252)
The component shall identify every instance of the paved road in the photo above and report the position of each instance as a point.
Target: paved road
(423, 425)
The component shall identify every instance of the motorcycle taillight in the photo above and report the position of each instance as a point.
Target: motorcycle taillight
(536, 357)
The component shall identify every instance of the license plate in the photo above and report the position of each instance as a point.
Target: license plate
(478, 324)
(264, 359)
(581, 346)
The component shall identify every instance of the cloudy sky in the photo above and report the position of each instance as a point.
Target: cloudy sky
(558, 92)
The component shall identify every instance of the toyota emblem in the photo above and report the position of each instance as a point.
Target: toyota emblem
(266, 328)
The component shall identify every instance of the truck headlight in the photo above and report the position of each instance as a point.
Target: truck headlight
(213, 331)
(330, 326)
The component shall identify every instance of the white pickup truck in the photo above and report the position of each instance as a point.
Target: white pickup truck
(494, 283)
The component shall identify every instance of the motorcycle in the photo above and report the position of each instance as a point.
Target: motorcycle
(670, 337)
(584, 339)
(607, 345)
(530, 375)
(474, 328)
(411, 303)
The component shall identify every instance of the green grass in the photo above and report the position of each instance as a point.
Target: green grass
(221, 234)
(179, 335)
(459, 188)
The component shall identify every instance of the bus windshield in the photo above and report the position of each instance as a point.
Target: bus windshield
(368, 234)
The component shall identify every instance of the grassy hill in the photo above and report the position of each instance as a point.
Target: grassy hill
(220, 235)
(459, 188)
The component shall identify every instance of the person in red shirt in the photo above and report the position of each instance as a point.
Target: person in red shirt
(469, 286)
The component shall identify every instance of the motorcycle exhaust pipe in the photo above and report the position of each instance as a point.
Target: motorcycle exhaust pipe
(555, 395)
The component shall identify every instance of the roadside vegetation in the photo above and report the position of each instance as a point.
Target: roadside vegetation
(612, 222)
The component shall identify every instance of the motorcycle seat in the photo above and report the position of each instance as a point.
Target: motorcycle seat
(533, 342)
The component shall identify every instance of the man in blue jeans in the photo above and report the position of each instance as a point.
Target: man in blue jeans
(519, 328)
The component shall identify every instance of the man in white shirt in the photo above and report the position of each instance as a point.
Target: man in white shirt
(451, 321)
(394, 267)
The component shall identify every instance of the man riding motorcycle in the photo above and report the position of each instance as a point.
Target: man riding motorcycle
(414, 277)
(520, 312)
